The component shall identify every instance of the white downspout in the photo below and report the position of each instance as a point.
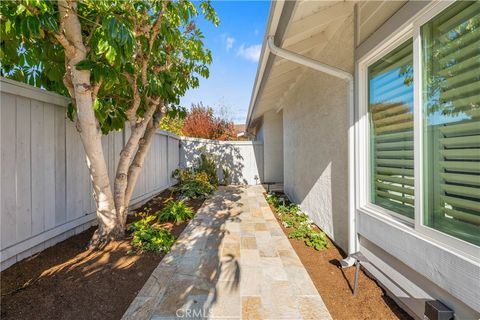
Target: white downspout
(336, 72)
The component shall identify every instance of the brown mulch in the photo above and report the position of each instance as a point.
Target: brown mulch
(335, 284)
(67, 281)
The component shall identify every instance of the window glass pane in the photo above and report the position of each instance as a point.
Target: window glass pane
(451, 108)
(391, 130)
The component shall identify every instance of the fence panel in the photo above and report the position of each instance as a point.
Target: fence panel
(243, 159)
(46, 193)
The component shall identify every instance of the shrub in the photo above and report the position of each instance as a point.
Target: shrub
(148, 237)
(172, 123)
(207, 164)
(199, 181)
(226, 176)
(175, 211)
(201, 122)
(193, 185)
(183, 175)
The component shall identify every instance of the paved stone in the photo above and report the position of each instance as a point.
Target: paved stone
(233, 261)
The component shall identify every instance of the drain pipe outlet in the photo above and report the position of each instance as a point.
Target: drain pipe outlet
(336, 72)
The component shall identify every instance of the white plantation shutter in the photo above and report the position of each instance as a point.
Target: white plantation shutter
(391, 123)
(451, 54)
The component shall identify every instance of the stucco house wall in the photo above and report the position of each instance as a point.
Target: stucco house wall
(315, 124)
(272, 135)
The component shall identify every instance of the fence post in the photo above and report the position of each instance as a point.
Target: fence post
(168, 162)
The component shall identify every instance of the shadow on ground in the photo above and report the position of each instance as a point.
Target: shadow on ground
(187, 281)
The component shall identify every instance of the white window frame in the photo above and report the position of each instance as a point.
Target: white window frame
(409, 30)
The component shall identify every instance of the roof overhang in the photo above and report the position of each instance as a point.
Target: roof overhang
(304, 27)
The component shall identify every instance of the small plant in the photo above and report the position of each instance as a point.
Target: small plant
(288, 221)
(148, 237)
(226, 176)
(317, 240)
(197, 182)
(175, 211)
(312, 238)
(275, 200)
(196, 186)
(183, 175)
(207, 164)
(281, 209)
(300, 232)
(301, 225)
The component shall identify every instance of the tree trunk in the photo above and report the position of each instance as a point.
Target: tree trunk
(143, 148)
(112, 207)
(109, 226)
(128, 151)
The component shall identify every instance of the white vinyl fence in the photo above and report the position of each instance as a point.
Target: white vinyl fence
(45, 191)
(243, 159)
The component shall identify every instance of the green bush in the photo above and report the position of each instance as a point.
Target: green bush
(226, 176)
(207, 164)
(148, 237)
(183, 175)
(175, 211)
(195, 186)
(197, 182)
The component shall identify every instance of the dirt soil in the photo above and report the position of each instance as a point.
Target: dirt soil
(67, 281)
(335, 285)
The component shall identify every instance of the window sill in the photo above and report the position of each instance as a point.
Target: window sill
(387, 216)
(423, 233)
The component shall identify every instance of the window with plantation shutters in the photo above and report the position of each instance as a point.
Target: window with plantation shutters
(451, 111)
(391, 130)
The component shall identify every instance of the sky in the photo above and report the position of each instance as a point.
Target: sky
(235, 44)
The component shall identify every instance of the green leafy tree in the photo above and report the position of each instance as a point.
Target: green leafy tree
(173, 124)
(122, 63)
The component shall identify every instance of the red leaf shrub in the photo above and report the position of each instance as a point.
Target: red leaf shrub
(202, 123)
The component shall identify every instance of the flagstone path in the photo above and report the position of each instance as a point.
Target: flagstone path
(233, 261)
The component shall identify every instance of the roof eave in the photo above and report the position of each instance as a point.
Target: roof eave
(278, 16)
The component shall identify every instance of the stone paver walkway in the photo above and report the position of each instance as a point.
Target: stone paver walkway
(233, 261)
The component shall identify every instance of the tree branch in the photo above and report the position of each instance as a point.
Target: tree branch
(94, 28)
(131, 112)
(154, 33)
(69, 47)
(96, 88)
(143, 147)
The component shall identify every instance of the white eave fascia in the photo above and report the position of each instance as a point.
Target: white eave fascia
(276, 9)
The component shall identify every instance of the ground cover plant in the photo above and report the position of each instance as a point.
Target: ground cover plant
(302, 228)
(146, 236)
(175, 211)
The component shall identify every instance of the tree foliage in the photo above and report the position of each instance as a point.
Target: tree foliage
(173, 124)
(120, 61)
(121, 50)
(201, 122)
